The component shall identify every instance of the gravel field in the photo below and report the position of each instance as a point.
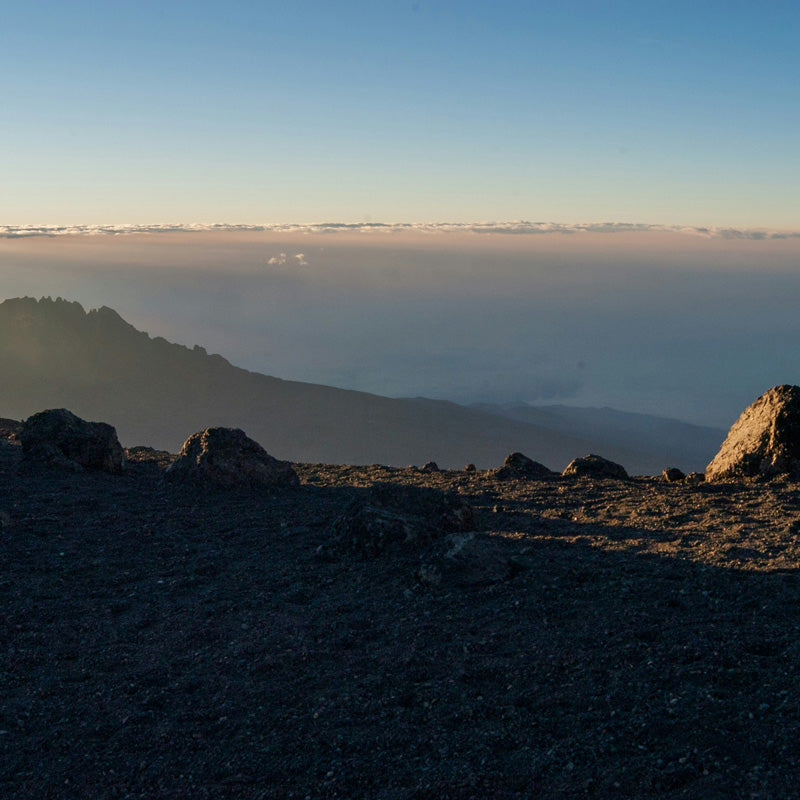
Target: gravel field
(638, 639)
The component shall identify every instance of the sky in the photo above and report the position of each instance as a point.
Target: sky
(591, 203)
(683, 113)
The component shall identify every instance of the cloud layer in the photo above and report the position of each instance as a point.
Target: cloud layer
(521, 227)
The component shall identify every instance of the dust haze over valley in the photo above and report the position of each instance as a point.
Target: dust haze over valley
(675, 324)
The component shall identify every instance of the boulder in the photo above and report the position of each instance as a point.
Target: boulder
(228, 457)
(430, 466)
(673, 475)
(59, 438)
(392, 516)
(765, 440)
(593, 466)
(470, 467)
(518, 465)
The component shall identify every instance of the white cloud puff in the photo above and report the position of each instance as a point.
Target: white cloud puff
(282, 258)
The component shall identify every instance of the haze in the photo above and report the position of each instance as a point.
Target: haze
(678, 324)
(355, 149)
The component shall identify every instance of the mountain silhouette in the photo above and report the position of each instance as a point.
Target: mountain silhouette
(54, 354)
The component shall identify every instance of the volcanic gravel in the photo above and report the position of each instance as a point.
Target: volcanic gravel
(162, 642)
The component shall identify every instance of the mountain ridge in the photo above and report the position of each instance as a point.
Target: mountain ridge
(53, 353)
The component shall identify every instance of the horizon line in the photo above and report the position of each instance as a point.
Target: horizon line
(514, 227)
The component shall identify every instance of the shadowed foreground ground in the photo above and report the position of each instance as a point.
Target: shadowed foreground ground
(163, 643)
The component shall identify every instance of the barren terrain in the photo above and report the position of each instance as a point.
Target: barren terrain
(163, 642)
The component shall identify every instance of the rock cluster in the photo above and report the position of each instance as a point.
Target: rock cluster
(593, 466)
(228, 457)
(57, 437)
(765, 440)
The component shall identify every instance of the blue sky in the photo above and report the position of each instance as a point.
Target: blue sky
(656, 112)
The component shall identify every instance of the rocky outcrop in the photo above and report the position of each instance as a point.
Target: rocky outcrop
(58, 438)
(593, 466)
(518, 465)
(765, 440)
(228, 457)
(389, 516)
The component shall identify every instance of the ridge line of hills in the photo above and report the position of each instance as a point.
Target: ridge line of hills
(53, 354)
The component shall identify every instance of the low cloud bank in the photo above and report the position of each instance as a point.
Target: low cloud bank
(521, 227)
(672, 324)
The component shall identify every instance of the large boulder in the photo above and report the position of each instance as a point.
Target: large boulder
(765, 440)
(593, 466)
(228, 457)
(59, 438)
(518, 465)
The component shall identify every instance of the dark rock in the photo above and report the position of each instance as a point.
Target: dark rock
(594, 466)
(9, 430)
(149, 455)
(672, 475)
(430, 466)
(470, 468)
(765, 440)
(389, 516)
(693, 478)
(468, 559)
(59, 438)
(518, 465)
(227, 457)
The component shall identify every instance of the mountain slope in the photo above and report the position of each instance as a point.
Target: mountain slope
(54, 354)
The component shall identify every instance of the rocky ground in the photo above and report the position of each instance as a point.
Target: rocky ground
(597, 638)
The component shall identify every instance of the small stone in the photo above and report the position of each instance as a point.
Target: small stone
(672, 475)
(693, 478)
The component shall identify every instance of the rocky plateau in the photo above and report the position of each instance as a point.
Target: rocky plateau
(334, 631)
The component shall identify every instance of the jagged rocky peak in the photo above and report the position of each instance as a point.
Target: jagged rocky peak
(59, 323)
(44, 306)
(765, 440)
